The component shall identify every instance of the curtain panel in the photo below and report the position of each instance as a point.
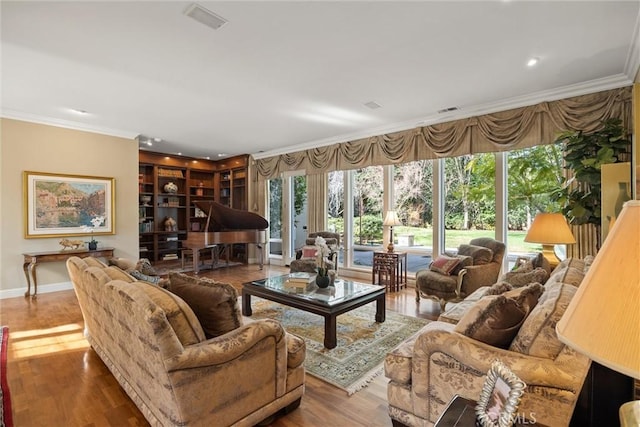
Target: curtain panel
(501, 131)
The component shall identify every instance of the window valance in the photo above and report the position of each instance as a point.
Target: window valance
(501, 131)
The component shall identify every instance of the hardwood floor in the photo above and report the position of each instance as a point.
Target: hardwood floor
(56, 379)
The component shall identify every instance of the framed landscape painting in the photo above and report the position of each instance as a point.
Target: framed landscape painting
(67, 205)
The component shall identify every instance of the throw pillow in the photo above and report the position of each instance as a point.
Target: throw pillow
(155, 280)
(144, 266)
(569, 275)
(498, 288)
(494, 320)
(215, 304)
(518, 278)
(480, 254)
(523, 265)
(465, 261)
(540, 261)
(309, 252)
(444, 264)
(526, 296)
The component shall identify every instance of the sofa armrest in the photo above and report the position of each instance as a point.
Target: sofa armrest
(227, 347)
(478, 356)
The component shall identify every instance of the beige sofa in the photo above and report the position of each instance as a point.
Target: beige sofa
(158, 350)
(427, 370)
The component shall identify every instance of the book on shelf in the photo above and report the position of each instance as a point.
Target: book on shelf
(168, 257)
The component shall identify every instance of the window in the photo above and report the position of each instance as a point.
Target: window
(367, 214)
(275, 216)
(470, 195)
(534, 174)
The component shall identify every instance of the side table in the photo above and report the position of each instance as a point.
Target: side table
(32, 259)
(390, 269)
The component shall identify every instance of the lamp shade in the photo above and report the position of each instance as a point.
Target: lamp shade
(550, 229)
(603, 319)
(391, 219)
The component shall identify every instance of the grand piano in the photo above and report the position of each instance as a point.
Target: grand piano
(226, 226)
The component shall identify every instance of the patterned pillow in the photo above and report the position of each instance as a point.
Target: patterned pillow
(215, 304)
(523, 265)
(494, 320)
(309, 252)
(144, 266)
(538, 337)
(480, 254)
(155, 280)
(444, 264)
(122, 263)
(569, 275)
(518, 278)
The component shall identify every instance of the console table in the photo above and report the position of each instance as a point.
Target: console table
(391, 269)
(32, 259)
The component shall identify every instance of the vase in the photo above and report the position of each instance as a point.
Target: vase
(171, 188)
(322, 281)
(93, 246)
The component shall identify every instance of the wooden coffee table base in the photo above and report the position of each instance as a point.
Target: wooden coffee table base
(330, 313)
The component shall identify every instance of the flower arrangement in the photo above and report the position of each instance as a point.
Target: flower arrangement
(96, 222)
(322, 253)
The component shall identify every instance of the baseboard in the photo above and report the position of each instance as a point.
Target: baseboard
(42, 289)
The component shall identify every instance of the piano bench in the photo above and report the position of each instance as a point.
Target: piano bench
(188, 252)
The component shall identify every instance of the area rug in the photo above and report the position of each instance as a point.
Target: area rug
(362, 342)
(6, 418)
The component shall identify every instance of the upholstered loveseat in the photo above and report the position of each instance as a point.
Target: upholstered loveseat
(180, 370)
(440, 361)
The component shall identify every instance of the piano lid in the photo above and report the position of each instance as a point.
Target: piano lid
(221, 217)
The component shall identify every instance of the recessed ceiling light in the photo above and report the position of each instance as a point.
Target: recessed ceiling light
(372, 104)
(157, 139)
(447, 110)
(149, 143)
(81, 112)
(532, 62)
(222, 154)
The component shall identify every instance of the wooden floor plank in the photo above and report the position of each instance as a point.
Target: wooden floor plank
(56, 379)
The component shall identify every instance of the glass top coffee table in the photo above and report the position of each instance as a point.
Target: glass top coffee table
(343, 296)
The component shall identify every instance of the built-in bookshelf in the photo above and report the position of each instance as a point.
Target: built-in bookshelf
(168, 186)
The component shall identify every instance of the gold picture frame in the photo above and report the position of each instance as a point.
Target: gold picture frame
(58, 205)
(500, 397)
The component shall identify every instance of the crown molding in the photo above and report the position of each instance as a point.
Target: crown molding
(67, 124)
(592, 86)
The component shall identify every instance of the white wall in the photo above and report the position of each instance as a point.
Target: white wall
(34, 147)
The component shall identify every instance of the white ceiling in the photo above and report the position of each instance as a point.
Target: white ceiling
(284, 76)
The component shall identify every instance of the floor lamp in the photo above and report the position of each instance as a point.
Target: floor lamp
(603, 319)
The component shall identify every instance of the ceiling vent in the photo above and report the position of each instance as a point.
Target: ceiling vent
(448, 110)
(204, 16)
(372, 104)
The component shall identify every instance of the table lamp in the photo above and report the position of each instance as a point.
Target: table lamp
(603, 319)
(391, 219)
(550, 229)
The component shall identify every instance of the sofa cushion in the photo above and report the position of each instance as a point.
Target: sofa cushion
(494, 320)
(215, 304)
(444, 264)
(180, 316)
(570, 275)
(480, 254)
(537, 336)
(520, 278)
(94, 262)
(116, 273)
(296, 350)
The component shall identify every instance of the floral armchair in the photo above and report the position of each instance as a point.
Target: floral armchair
(451, 277)
(306, 256)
